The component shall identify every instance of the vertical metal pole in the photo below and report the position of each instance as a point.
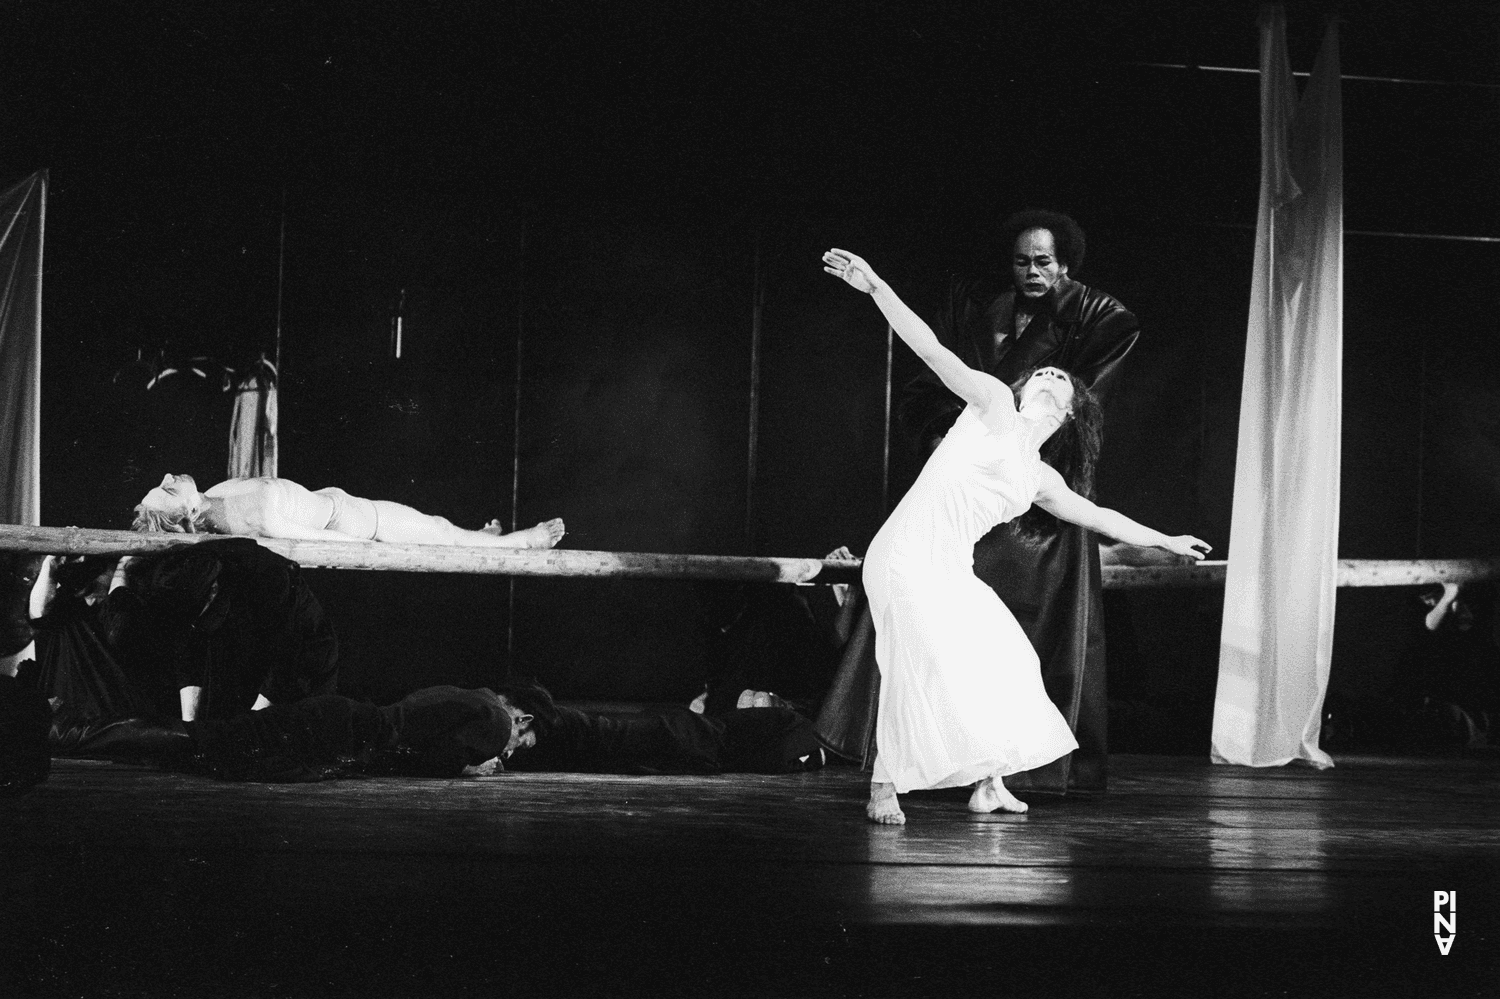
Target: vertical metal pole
(757, 302)
(885, 456)
(515, 442)
(1421, 443)
(35, 471)
(280, 287)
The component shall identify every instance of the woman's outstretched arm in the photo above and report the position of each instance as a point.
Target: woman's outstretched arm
(1056, 498)
(974, 387)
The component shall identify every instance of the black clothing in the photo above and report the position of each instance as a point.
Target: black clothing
(17, 574)
(1053, 587)
(434, 732)
(24, 716)
(1079, 329)
(245, 622)
(92, 679)
(228, 615)
(674, 741)
(775, 638)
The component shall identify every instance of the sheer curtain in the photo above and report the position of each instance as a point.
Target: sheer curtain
(23, 212)
(1277, 639)
(253, 443)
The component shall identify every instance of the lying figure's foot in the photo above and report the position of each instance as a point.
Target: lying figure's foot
(544, 535)
(990, 794)
(883, 807)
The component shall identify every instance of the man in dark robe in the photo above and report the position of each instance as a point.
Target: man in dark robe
(1052, 583)
(1042, 316)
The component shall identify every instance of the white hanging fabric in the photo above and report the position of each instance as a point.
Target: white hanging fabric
(1277, 639)
(23, 214)
(252, 427)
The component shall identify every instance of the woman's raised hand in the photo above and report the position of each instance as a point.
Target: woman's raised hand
(1186, 544)
(843, 264)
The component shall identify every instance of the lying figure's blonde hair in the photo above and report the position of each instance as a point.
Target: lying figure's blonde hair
(179, 523)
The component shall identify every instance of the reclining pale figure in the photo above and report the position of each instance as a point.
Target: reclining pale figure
(280, 508)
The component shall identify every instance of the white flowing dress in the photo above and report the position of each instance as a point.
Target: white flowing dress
(961, 694)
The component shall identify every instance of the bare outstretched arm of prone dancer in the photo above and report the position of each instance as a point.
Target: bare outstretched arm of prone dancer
(281, 508)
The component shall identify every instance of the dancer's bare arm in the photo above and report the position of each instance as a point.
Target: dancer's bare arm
(1056, 498)
(992, 396)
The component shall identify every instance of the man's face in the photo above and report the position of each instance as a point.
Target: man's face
(522, 735)
(1034, 265)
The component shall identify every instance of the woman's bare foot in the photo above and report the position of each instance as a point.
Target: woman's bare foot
(544, 535)
(883, 807)
(990, 794)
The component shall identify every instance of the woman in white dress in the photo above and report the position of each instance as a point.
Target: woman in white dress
(961, 695)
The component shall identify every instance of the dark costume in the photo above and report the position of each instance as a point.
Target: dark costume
(775, 638)
(434, 732)
(1053, 587)
(226, 615)
(672, 741)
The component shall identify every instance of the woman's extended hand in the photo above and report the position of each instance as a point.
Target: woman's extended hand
(1186, 544)
(843, 264)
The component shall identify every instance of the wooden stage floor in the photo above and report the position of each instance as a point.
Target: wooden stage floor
(1185, 879)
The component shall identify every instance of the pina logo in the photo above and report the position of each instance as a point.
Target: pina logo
(1444, 925)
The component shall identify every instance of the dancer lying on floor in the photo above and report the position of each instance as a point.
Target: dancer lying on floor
(280, 508)
(961, 695)
(670, 740)
(434, 732)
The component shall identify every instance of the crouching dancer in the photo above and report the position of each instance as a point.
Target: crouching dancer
(281, 508)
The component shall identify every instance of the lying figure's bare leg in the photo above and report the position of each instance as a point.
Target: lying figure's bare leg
(883, 807)
(544, 535)
(991, 794)
(399, 523)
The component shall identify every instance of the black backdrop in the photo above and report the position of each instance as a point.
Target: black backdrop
(613, 185)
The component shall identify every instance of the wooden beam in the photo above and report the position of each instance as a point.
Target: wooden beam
(1353, 572)
(647, 565)
(444, 558)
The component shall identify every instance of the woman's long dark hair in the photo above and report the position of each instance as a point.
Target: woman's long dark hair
(1073, 450)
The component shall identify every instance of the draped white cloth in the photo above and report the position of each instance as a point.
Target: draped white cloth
(23, 212)
(253, 442)
(1277, 638)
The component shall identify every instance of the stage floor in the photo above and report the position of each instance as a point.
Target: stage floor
(1184, 879)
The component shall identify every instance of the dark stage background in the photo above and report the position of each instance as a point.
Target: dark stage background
(613, 186)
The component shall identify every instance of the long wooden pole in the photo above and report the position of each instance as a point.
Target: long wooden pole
(381, 556)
